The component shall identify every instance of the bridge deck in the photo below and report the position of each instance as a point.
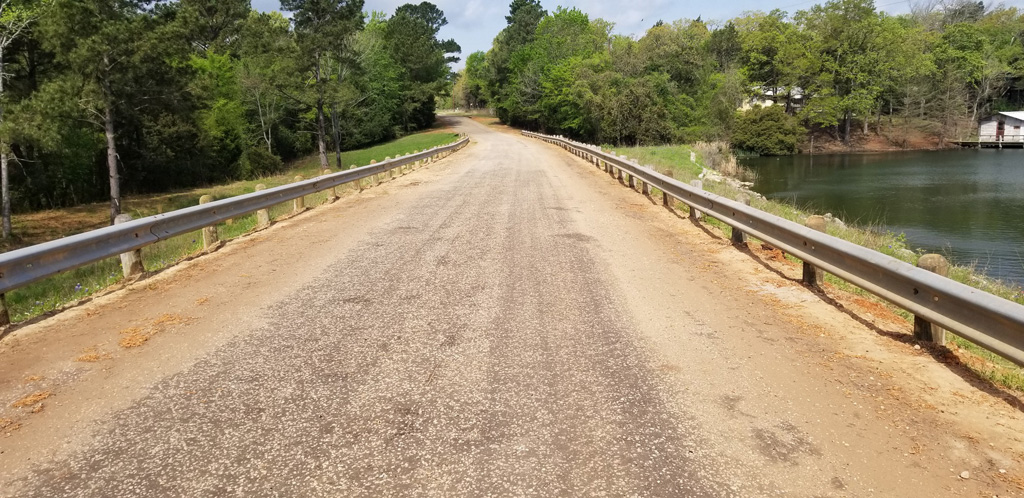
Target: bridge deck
(508, 321)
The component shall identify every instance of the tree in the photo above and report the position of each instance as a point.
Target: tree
(768, 131)
(322, 29)
(845, 56)
(101, 42)
(213, 24)
(266, 65)
(14, 20)
(411, 38)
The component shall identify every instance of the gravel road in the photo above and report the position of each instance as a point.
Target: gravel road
(491, 331)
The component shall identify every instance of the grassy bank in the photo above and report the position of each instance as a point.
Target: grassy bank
(676, 160)
(57, 291)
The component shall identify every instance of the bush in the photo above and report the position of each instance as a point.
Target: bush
(258, 162)
(719, 157)
(768, 131)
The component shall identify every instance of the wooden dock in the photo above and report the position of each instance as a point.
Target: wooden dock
(990, 144)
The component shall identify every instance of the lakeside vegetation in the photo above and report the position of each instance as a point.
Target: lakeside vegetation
(104, 98)
(57, 291)
(840, 70)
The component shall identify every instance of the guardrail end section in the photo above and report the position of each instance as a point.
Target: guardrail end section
(131, 262)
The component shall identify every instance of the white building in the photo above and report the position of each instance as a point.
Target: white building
(1003, 127)
(765, 96)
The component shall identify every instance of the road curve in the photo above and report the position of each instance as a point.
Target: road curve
(487, 336)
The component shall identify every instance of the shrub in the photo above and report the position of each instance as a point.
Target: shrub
(257, 162)
(719, 157)
(768, 131)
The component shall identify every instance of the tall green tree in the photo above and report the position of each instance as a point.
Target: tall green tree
(102, 43)
(322, 29)
(15, 18)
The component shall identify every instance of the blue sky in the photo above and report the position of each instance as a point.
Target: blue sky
(474, 23)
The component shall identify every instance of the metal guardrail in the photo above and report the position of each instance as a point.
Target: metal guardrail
(31, 264)
(985, 319)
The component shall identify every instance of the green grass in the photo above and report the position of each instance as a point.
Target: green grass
(985, 363)
(674, 158)
(307, 168)
(53, 293)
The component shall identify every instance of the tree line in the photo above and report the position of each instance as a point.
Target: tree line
(838, 69)
(102, 97)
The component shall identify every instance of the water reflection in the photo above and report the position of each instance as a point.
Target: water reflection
(967, 204)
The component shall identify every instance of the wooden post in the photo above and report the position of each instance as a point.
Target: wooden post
(263, 215)
(738, 237)
(696, 215)
(391, 172)
(131, 262)
(923, 329)
(210, 240)
(645, 188)
(5, 314)
(331, 194)
(814, 277)
(299, 204)
(665, 200)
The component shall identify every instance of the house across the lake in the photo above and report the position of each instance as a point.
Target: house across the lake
(1002, 127)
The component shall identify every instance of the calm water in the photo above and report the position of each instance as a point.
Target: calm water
(966, 204)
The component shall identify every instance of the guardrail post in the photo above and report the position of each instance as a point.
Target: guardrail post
(645, 188)
(632, 179)
(665, 199)
(923, 329)
(738, 237)
(5, 314)
(695, 214)
(332, 195)
(263, 215)
(210, 240)
(131, 262)
(391, 172)
(359, 182)
(375, 179)
(814, 277)
(299, 204)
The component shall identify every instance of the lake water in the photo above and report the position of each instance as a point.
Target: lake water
(965, 204)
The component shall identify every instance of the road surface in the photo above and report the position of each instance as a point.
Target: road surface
(508, 321)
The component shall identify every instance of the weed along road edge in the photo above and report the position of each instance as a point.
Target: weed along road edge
(508, 320)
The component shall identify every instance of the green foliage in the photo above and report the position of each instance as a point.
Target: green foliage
(839, 67)
(768, 131)
(258, 162)
(203, 91)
